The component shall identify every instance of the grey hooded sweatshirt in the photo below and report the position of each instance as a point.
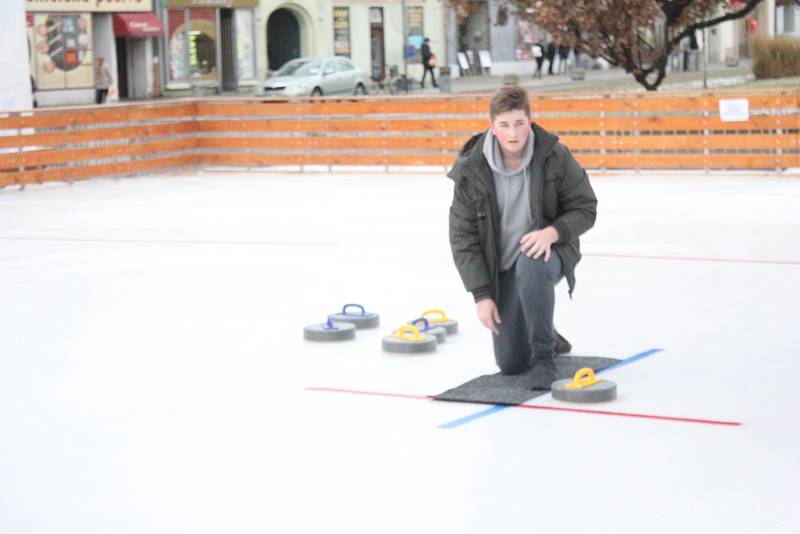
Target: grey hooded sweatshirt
(513, 197)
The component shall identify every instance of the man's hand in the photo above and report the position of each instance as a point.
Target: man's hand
(488, 315)
(538, 242)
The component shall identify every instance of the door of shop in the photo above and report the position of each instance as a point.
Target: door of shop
(122, 67)
(228, 50)
(283, 38)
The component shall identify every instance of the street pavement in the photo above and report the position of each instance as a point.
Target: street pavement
(614, 79)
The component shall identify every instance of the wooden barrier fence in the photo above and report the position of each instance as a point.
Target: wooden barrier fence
(630, 131)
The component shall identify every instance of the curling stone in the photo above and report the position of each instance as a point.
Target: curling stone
(360, 318)
(329, 331)
(425, 327)
(408, 340)
(584, 387)
(450, 325)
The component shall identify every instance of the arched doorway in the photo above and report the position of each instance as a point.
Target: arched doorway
(283, 38)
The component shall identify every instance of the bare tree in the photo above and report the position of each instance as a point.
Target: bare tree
(637, 35)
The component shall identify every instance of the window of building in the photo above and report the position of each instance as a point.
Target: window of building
(176, 45)
(341, 31)
(203, 43)
(415, 34)
(788, 19)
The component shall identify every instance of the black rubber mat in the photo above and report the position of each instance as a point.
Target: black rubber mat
(515, 389)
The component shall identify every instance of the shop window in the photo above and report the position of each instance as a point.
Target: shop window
(203, 43)
(176, 48)
(415, 34)
(62, 52)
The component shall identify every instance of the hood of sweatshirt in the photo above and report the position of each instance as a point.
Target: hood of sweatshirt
(491, 151)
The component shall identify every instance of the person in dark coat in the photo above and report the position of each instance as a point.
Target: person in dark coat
(563, 56)
(520, 203)
(551, 56)
(428, 62)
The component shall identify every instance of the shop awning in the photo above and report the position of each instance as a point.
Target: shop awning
(137, 25)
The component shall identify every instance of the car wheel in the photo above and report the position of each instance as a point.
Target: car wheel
(360, 90)
(316, 92)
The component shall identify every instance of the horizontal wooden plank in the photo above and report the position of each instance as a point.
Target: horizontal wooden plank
(620, 161)
(350, 126)
(635, 103)
(36, 158)
(109, 169)
(355, 143)
(356, 107)
(627, 103)
(685, 161)
(252, 160)
(557, 125)
(97, 115)
(700, 142)
(69, 136)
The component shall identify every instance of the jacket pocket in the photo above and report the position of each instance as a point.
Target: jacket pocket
(550, 198)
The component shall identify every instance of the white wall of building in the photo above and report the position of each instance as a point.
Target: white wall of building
(15, 83)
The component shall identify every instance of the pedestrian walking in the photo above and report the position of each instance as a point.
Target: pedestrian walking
(428, 61)
(551, 56)
(102, 80)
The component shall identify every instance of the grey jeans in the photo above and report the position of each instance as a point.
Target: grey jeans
(527, 301)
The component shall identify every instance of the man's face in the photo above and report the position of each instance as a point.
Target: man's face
(512, 129)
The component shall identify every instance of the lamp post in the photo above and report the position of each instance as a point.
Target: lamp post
(405, 42)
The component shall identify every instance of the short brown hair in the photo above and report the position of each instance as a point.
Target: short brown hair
(509, 98)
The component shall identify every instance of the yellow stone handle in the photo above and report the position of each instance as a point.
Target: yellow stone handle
(441, 319)
(583, 379)
(408, 332)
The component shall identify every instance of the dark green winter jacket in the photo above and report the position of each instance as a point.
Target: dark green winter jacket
(561, 196)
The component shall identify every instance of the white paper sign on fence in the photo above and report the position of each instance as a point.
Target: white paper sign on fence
(734, 109)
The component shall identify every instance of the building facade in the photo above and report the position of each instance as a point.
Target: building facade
(370, 33)
(209, 46)
(66, 37)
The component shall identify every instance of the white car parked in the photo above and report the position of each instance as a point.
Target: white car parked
(317, 77)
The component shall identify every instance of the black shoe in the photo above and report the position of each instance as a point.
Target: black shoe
(544, 373)
(562, 345)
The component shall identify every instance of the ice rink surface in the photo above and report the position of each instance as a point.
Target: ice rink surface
(154, 379)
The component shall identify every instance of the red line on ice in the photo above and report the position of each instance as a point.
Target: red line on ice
(539, 407)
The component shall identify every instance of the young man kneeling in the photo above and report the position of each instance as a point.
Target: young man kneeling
(520, 203)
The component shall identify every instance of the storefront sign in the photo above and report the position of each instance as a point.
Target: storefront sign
(86, 6)
(137, 25)
(211, 3)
